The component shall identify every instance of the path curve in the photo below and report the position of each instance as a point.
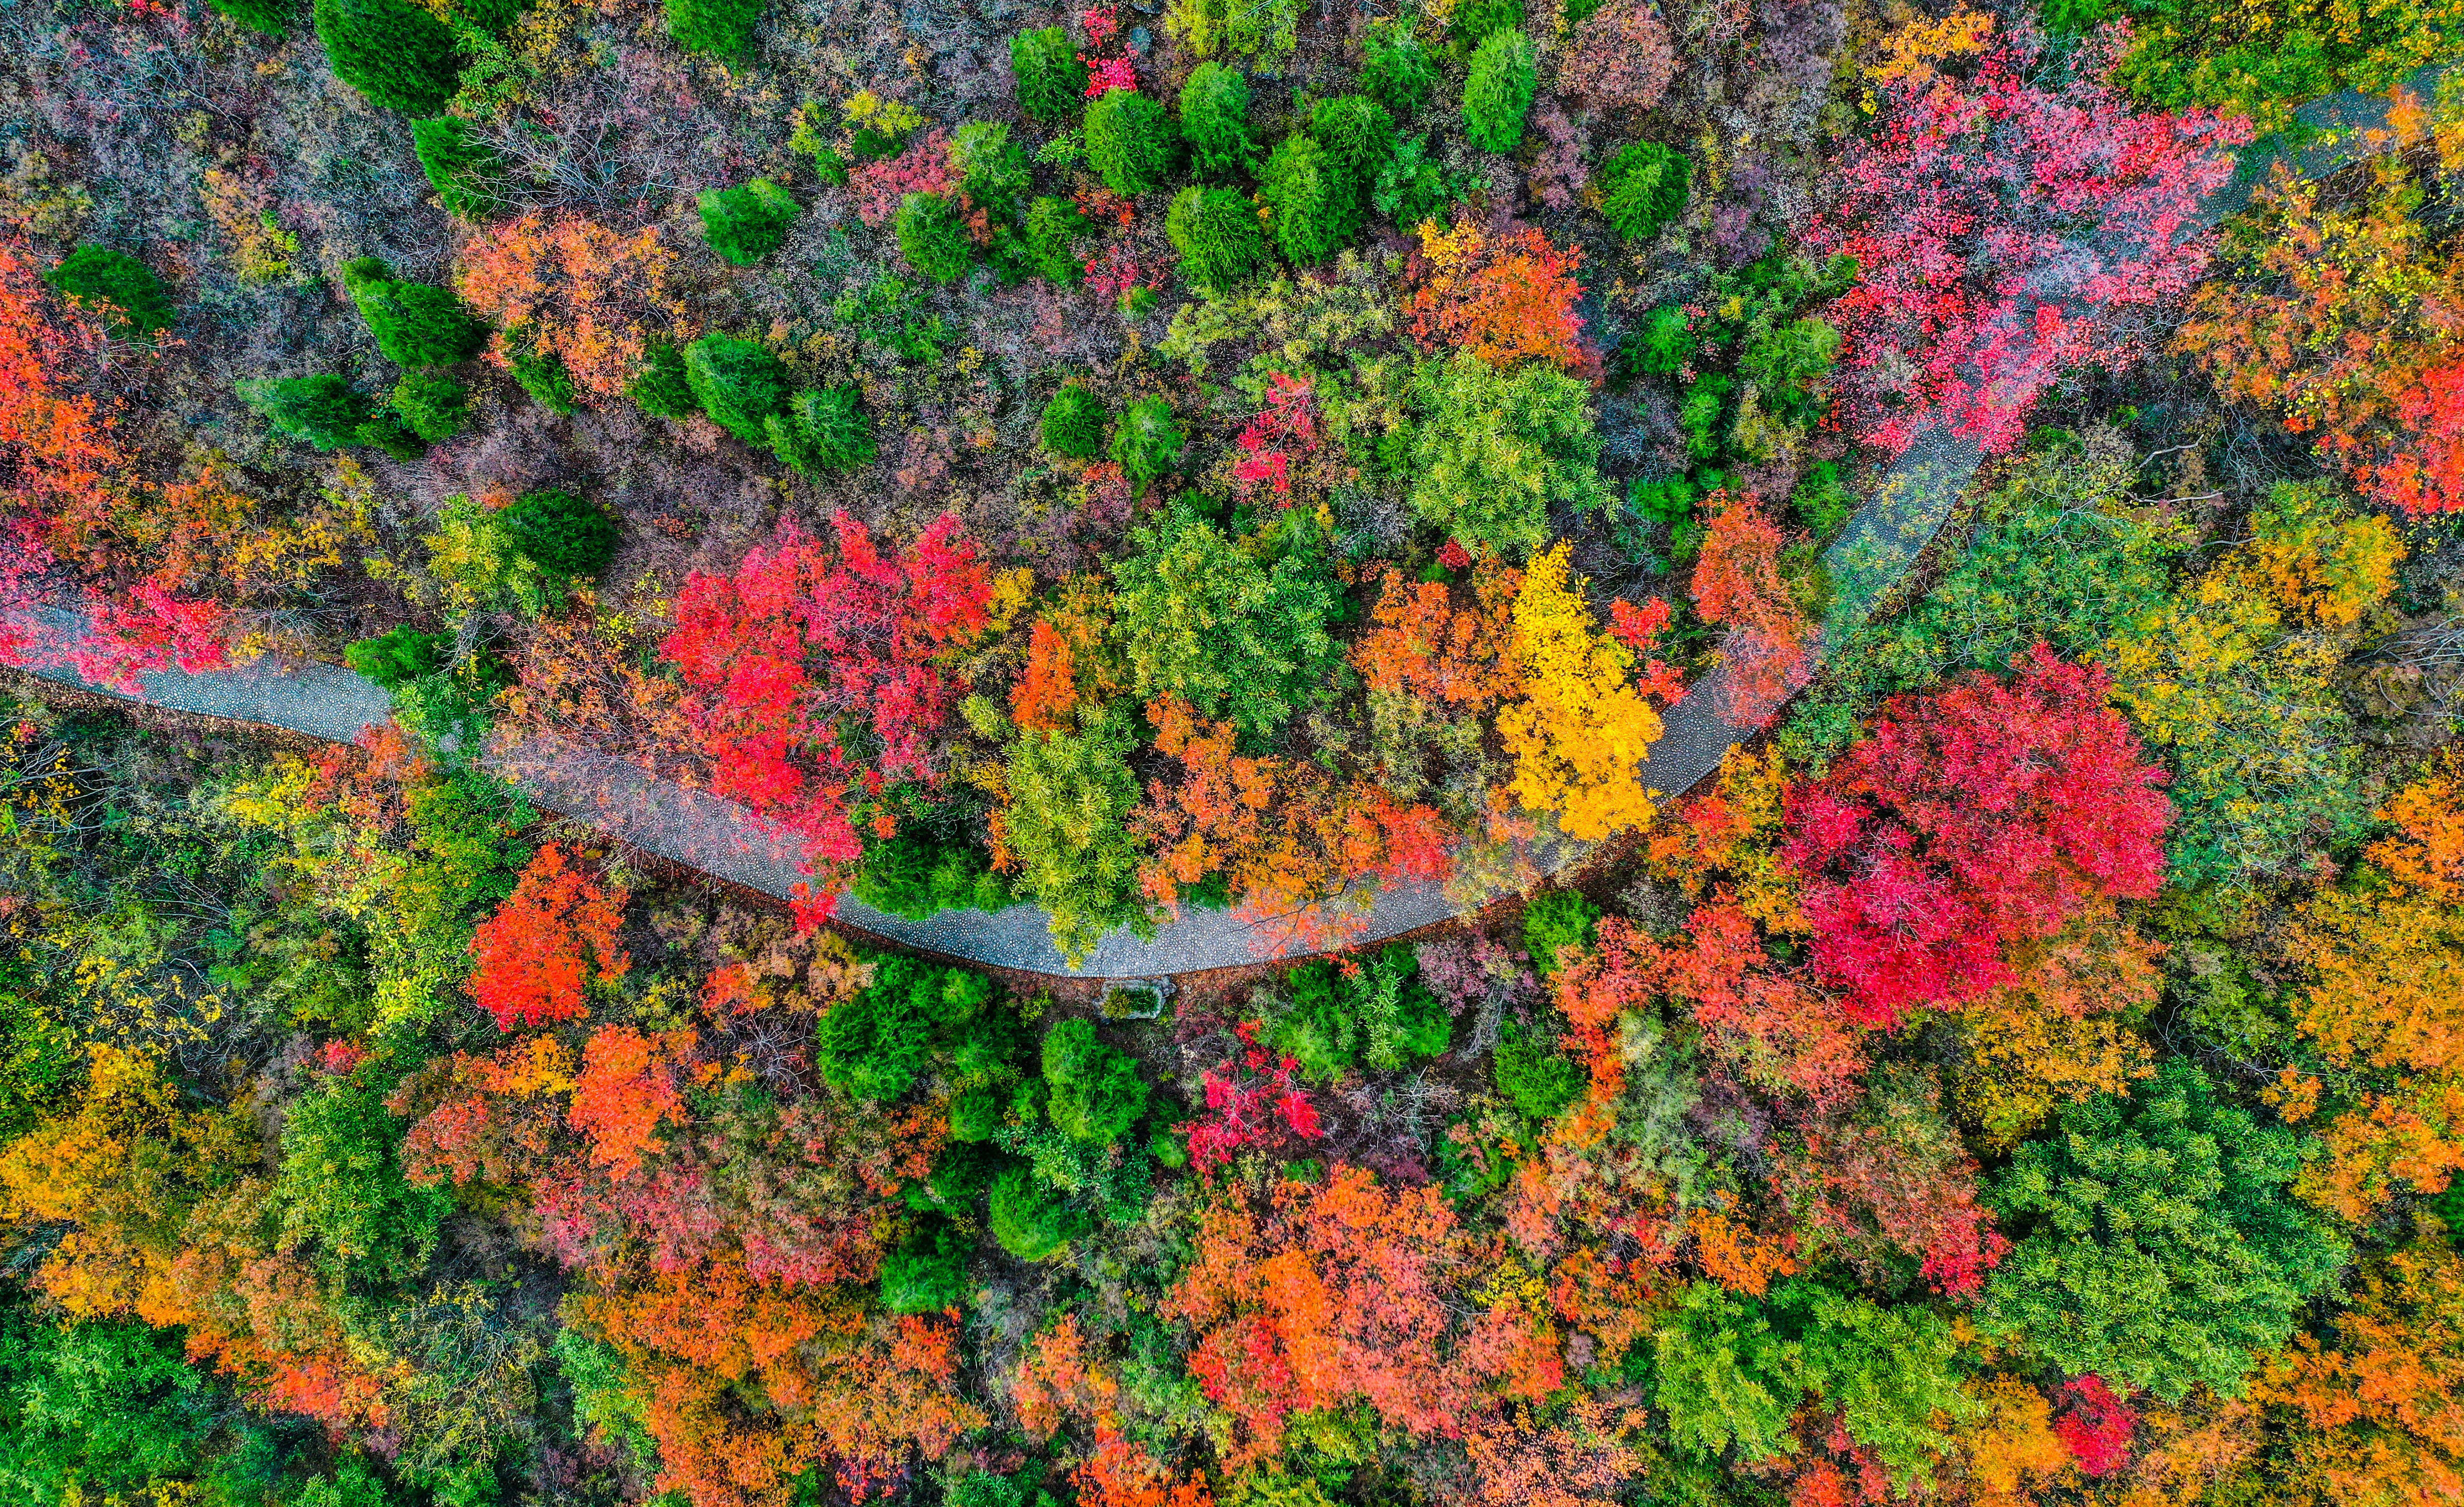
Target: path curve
(1910, 501)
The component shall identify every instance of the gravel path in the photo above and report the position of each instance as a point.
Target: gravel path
(1909, 504)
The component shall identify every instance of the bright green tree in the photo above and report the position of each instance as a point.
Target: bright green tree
(391, 50)
(748, 222)
(2158, 1242)
(1217, 232)
(102, 277)
(932, 236)
(1066, 825)
(1096, 1095)
(1311, 202)
(1073, 423)
(720, 27)
(1051, 80)
(1129, 140)
(1214, 119)
(737, 383)
(1493, 451)
(468, 175)
(1497, 96)
(325, 409)
(415, 325)
(1201, 619)
(1644, 188)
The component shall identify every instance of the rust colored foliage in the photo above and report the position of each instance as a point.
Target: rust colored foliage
(1894, 1181)
(2377, 1401)
(1121, 1473)
(1422, 646)
(1508, 300)
(1579, 1459)
(1737, 585)
(1969, 819)
(592, 296)
(2348, 316)
(817, 677)
(839, 1389)
(553, 938)
(1336, 1293)
(1287, 835)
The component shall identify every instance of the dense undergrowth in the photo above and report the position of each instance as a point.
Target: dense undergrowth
(1233, 455)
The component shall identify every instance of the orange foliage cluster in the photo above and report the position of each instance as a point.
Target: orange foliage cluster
(592, 296)
(1286, 833)
(1507, 299)
(2380, 1408)
(1737, 585)
(1422, 646)
(552, 938)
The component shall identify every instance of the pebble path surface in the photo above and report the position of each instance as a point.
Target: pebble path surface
(1907, 506)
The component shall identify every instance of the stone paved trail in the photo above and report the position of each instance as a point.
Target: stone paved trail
(1909, 503)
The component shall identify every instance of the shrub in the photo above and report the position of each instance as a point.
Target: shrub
(385, 430)
(1664, 345)
(414, 324)
(1384, 1014)
(1560, 918)
(1475, 21)
(1146, 442)
(1051, 80)
(662, 389)
(1031, 1219)
(876, 1045)
(399, 655)
(822, 429)
(748, 222)
(542, 373)
(1071, 794)
(1073, 423)
(125, 287)
(1415, 187)
(912, 875)
(272, 17)
(1357, 136)
(391, 50)
(561, 534)
(1504, 73)
(430, 406)
(927, 1272)
(468, 175)
(1096, 1095)
(1311, 203)
(1201, 620)
(1218, 234)
(1399, 73)
(1129, 142)
(932, 236)
(1054, 226)
(721, 26)
(325, 410)
(1536, 1078)
(738, 383)
(1644, 188)
(1214, 119)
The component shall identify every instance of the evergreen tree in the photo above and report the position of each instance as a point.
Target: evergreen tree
(563, 533)
(1397, 73)
(100, 277)
(1073, 423)
(272, 17)
(662, 390)
(1129, 142)
(432, 406)
(1644, 188)
(748, 222)
(932, 236)
(542, 373)
(324, 410)
(466, 174)
(1214, 119)
(1314, 208)
(823, 429)
(720, 27)
(1051, 80)
(391, 50)
(414, 324)
(1357, 136)
(1218, 234)
(1053, 228)
(1497, 95)
(738, 383)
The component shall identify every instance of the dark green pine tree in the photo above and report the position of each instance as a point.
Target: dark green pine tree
(416, 325)
(391, 50)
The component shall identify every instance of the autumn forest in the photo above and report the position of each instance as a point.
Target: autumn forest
(1887, 574)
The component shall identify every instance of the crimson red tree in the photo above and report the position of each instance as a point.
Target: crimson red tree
(1969, 818)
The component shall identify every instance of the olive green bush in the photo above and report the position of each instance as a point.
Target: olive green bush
(1051, 80)
(1129, 142)
(1310, 200)
(324, 410)
(1053, 228)
(932, 236)
(823, 429)
(434, 407)
(561, 534)
(415, 324)
(748, 222)
(468, 175)
(1147, 442)
(720, 27)
(1217, 232)
(661, 388)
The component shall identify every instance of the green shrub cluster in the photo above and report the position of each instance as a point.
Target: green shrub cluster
(432, 407)
(468, 175)
(416, 325)
(540, 372)
(1383, 1016)
(723, 28)
(737, 383)
(880, 1043)
(1217, 232)
(324, 410)
(1073, 423)
(127, 289)
(912, 875)
(1214, 119)
(398, 656)
(1054, 227)
(822, 429)
(1397, 71)
(1146, 442)
(1205, 621)
(563, 533)
(1051, 80)
(1494, 452)
(932, 236)
(662, 388)
(748, 222)
(1497, 96)
(1310, 199)
(1643, 189)
(1560, 918)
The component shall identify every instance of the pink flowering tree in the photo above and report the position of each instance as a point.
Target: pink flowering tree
(2009, 229)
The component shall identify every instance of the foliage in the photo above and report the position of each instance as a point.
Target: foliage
(1203, 621)
(741, 384)
(1096, 1095)
(1396, 71)
(399, 56)
(1130, 142)
(1146, 442)
(1051, 79)
(1582, 730)
(1620, 58)
(2159, 1245)
(433, 408)
(1494, 452)
(748, 222)
(823, 429)
(124, 289)
(1967, 820)
(468, 175)
(1506, 299)
(324, 410)
(552, 941)
(722, 28)
(561, 534)
(414, 325)
(1737, 584)
(1214, 119)
(1053, 229)
(1217, 232)
(1065, 828)
(932, 236)
(1379, 1012)
(1073, 422)
(572, 289)
(1505, 70)
(1312, 207)
(1643, 189)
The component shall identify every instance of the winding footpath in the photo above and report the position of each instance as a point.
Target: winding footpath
(1909, 504)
